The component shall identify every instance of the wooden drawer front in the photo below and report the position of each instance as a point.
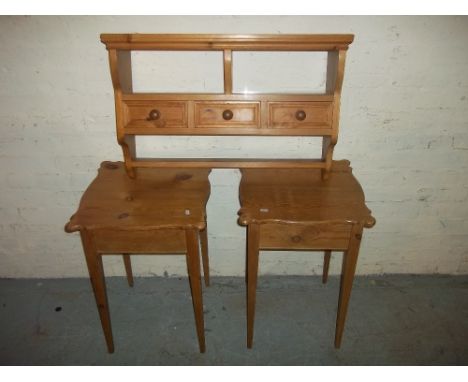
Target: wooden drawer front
(135, 241)
(305, 236)
(292, 115)
(226, 114)
(156, 114)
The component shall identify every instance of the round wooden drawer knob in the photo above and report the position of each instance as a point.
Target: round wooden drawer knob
(154, 115)
(227, 115)
(301, 115)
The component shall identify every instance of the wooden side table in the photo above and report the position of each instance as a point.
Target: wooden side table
(297, 210)
(160, 211)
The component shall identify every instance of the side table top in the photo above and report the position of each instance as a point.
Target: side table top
(300, 195)
(155, 198)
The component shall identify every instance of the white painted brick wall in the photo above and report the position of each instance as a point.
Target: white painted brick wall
(404, 126)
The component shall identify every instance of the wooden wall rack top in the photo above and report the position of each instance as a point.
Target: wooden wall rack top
(226, 113)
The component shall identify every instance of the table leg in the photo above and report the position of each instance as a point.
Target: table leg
(204, 251)
(252, 272)
(347, 276)
(128, 268)
(326, 265)
(246, 278)
(193, 266)
(96, 275)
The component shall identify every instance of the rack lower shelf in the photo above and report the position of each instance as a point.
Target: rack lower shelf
(227, 163)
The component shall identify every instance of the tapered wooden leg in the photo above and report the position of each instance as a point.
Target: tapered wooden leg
(246, 261)
(96, 274)
(326, 265)
(347, 276)
(204, 251)
(193, 266)
(128, 268)
(252, 272)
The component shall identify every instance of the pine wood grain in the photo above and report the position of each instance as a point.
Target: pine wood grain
(167, 198)
(295, 42)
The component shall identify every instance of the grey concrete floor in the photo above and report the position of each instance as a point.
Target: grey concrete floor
(392, 320)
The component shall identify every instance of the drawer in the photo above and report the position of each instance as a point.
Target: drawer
(140, 241)
(319, 236)
(292, 115)
(156, 113)
(227, 114)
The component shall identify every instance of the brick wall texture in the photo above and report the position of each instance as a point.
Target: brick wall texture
(404, 127)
